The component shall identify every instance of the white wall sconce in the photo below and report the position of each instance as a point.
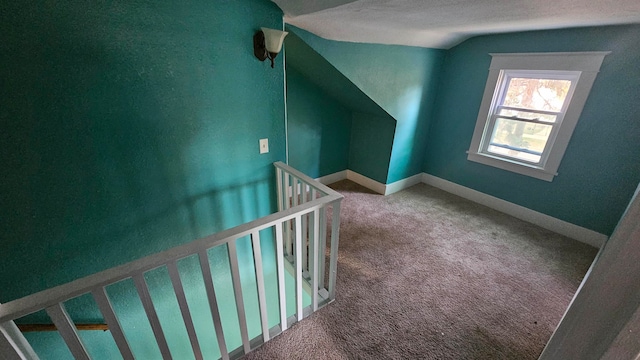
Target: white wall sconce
(267, 43)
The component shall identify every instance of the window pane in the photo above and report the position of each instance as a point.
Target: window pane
(532, 158)
(537, 94)
(528, 115)
(519, 139)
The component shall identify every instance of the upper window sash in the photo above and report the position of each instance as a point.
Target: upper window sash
(506, 75)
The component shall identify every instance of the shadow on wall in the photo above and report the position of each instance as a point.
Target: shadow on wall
(130, 128)
(124, 134)
(333, 125)
(97, 172)
(396, 80)
(371, 145)
(319, 127)
(134, 322)
(109, 163)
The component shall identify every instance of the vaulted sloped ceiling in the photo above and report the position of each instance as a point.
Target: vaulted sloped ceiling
(445, 23)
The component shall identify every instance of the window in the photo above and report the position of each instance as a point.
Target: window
(530, 107)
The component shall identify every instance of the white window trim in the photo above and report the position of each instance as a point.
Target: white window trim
(587, 63)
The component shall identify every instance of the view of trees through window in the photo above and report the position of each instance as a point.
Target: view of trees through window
(526, 117)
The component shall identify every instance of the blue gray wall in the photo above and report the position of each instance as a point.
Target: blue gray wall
(601, 167)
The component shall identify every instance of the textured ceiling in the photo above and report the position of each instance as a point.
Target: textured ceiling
(445, 23)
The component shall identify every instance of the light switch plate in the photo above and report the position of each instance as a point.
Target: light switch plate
(264, 146)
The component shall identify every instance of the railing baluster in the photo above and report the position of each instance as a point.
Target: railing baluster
(67, 330)
(281, 284)
(287, 224)
(294, 202)
(305, 230)
(322, 245)
(237, 288)
(262, 295)
(147, 304)
(13, 345)
(279, 189)
(314, 258)
(301, 237)
(298, 263)
(296, 191)
(174, 274)
(286, 191)
(333, 261)
(102, 299)
(213, 302)
(312, 196)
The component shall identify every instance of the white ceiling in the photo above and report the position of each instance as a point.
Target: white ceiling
(445, 23)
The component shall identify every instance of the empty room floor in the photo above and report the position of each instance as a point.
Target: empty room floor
(424, 274)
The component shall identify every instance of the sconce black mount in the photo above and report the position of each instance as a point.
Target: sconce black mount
(260, 48)
(267, 43)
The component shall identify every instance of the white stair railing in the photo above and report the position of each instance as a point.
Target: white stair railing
(302, 236)
(300, 241)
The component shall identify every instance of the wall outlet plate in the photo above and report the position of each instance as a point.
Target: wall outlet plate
(264, 146)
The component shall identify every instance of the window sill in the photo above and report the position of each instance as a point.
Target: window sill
(500, 163)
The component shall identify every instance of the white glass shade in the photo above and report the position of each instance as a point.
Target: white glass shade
(273, 39)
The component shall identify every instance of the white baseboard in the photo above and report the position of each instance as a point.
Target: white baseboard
(356, 178)
(369, 183)
(403, 184)
(331, 178)
(366, 182)
(562, 227)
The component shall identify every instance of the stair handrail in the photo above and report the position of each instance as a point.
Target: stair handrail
(312, 199)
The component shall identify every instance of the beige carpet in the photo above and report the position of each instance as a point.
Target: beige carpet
(423, 274)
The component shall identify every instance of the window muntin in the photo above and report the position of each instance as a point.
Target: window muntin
(526, 114)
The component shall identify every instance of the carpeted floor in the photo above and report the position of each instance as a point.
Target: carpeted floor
(423, 274)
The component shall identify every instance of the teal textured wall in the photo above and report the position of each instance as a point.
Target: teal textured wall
(319, 71)
(600, 169)
(400, 79)
(130, 127)
(319, 128)
(371, 145)
(306, 105)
